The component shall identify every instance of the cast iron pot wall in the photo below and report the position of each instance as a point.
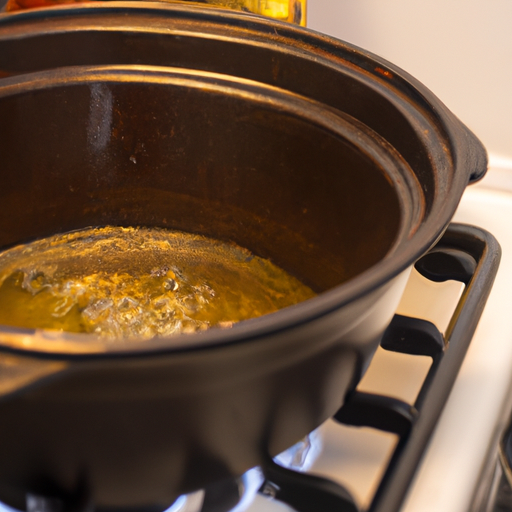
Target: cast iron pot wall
(278, 174)
(204, 154)
(345, 181)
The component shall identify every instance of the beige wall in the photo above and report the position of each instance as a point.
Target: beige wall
(460, 49)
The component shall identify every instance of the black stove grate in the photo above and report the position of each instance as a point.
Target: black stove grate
(466, 254)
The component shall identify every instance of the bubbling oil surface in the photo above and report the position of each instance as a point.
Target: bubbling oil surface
(120, 283)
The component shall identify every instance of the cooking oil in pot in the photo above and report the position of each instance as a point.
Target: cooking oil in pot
(119, 283)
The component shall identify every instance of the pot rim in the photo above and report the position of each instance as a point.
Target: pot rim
(461, 150)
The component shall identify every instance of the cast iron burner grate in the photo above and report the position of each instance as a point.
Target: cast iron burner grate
(466, 254)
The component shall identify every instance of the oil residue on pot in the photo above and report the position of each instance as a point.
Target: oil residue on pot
(131, 282)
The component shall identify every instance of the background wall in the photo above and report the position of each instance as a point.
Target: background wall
(460, 49)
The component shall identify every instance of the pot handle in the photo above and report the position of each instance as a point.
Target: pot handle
(476, 159)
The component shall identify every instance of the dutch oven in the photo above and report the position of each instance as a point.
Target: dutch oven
(332, 162)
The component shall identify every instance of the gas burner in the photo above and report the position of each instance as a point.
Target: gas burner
(226, 496)
(237, 495)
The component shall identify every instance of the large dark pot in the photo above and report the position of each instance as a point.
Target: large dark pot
(332, 162)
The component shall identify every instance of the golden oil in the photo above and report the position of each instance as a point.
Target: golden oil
(138, 282)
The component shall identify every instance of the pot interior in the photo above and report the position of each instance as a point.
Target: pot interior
(280, 175)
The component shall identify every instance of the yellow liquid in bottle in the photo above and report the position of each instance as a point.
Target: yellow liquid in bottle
(293, 11)
(120, 283)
